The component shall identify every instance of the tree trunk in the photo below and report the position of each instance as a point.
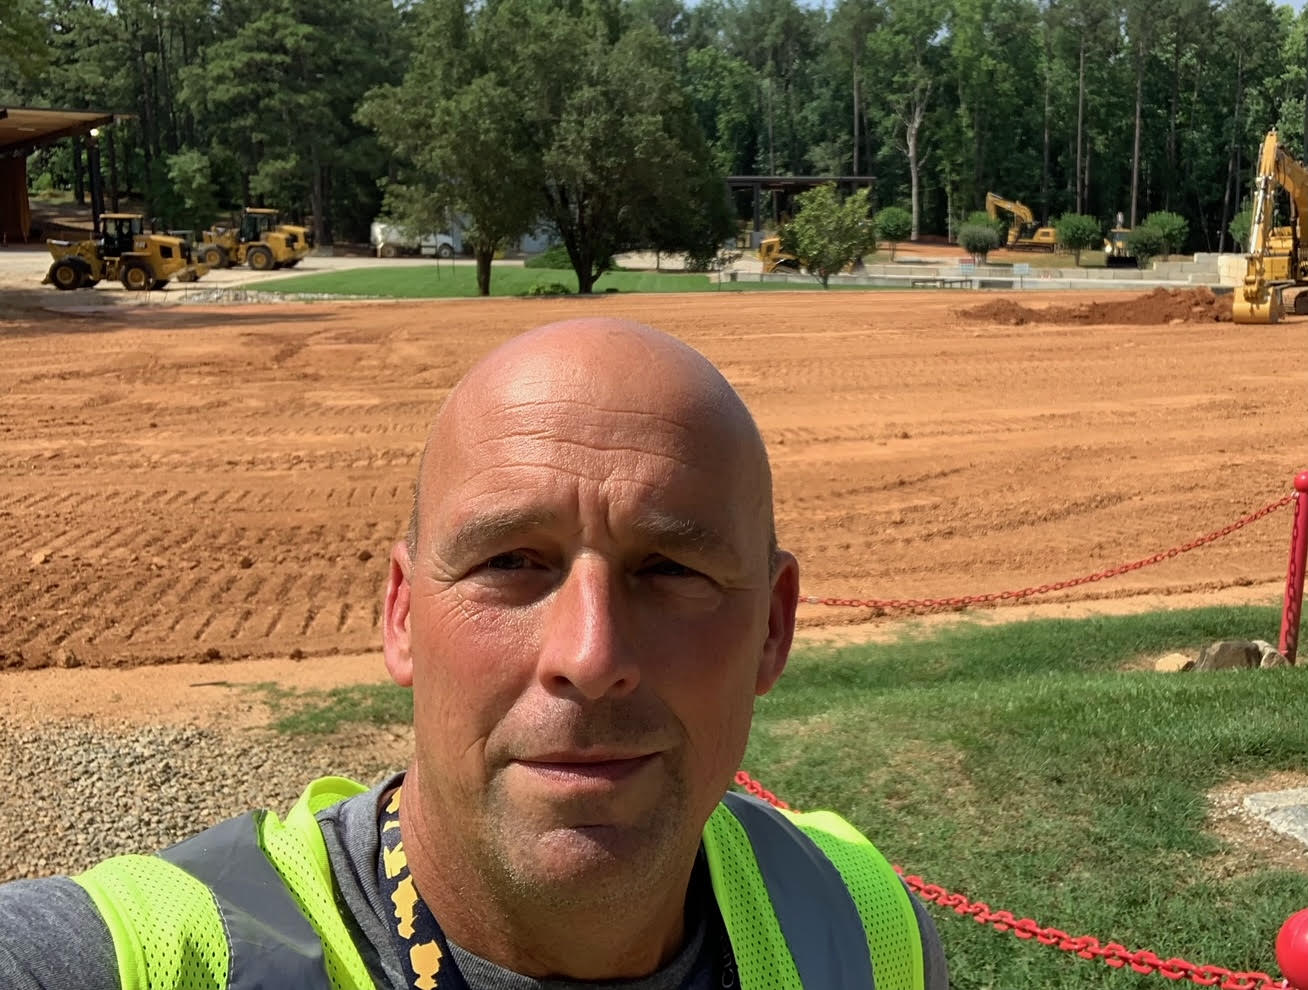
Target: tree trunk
(586, 279)
(772, 145)
(318, 200)
(1232, 177)
(1086, 193)
(1080, 124)
(910, 140)
(855, 171)
(111, 146)
(485, 254)
(1171, 127)
(1135, 152)
(79, 176)
(1049, 62)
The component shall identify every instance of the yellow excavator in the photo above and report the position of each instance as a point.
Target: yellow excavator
(1024, 234)
(1275, 258)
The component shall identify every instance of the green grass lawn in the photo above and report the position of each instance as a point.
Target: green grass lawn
(452, 281)
(458, 281)
(1025, 765)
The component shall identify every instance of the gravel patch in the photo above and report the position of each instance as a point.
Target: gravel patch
(76, 793)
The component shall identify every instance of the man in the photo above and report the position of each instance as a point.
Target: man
(588, 601)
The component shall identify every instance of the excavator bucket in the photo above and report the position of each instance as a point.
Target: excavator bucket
(1261, 306)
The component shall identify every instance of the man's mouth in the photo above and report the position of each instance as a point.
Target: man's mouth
(580, 767)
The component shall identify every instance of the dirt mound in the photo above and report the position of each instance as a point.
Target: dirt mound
(1161, 305)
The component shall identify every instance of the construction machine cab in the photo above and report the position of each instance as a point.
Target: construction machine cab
(256, 223)
(119, 233)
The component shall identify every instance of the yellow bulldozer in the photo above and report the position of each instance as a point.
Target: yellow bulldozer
(1275, 261)
(258, 239)
(1024, 234)
(125, 251)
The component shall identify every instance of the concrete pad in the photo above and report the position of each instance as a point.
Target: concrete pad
(1284, 811)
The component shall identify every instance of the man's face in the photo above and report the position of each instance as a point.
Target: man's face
(591, 612)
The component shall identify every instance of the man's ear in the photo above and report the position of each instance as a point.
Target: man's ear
(397, 643)
(781, 622)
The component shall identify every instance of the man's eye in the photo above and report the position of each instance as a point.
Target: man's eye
(514, 560)
(669, 568)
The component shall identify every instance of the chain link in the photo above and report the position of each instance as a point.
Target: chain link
(1086, 946)
(913, 604)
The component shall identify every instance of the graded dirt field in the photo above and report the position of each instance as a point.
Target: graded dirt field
(192, 484)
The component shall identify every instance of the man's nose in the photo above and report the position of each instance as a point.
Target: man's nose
(586, 646)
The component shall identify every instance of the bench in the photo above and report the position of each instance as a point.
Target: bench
(942, 282)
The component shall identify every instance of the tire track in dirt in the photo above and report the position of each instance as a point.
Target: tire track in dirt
(916, 454)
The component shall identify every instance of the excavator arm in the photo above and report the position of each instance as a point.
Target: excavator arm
(1268, 272)
(1020, 211)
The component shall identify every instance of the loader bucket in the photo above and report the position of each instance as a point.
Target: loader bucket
(1258, 307)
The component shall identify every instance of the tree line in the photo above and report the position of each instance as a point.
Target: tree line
(614, 121)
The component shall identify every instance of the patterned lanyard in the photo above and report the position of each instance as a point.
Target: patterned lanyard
(420, 940)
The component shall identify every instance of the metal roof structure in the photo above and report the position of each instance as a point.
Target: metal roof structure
(24, 129)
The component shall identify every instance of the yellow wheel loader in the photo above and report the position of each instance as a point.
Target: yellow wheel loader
(1275, 261)
(777, 260)
(125, 252)
(1024, 234)
(258, 239)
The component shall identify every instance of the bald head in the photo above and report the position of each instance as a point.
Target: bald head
(646, 379)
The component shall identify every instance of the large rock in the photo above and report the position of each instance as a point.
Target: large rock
(1174, 663)
(1270, 655)
(1229, 654)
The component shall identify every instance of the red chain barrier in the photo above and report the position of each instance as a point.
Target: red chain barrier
(1288, 644)
(900, 604)
(1086, 946)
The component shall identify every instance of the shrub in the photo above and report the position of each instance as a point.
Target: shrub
(548, 289)
(555, 256)
(1145, 243)
(983, 219)
(1076, 232)
(978, 239)
(1172, 230)
(894, 223)
(829, 234)
(1240, 228)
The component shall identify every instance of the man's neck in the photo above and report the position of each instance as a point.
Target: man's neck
(582, 941)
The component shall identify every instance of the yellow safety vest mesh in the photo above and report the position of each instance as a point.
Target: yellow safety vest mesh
(893, 935)
(164, 922)
(166, 929)
(762, 955)
(298, 853)
(168, 933)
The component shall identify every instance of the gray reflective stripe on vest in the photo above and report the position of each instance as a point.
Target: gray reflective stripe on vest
(817, 915)
(271, 943)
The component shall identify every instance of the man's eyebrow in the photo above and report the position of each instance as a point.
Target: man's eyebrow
(491, 528)
(680, 533)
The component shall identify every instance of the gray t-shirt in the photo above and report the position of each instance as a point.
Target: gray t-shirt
(53, 938)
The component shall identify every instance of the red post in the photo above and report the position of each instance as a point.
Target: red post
(1294, 576)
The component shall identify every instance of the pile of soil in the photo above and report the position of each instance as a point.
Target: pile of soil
(1197, 305)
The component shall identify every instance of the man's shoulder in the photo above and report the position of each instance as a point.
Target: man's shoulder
(53, 938)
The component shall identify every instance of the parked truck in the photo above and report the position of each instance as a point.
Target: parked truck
(391, 240)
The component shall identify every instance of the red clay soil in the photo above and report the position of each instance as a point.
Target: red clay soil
(192, 483)
(1161, 305)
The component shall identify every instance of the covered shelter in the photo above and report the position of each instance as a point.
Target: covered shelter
(786, 187)
(22, 131)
